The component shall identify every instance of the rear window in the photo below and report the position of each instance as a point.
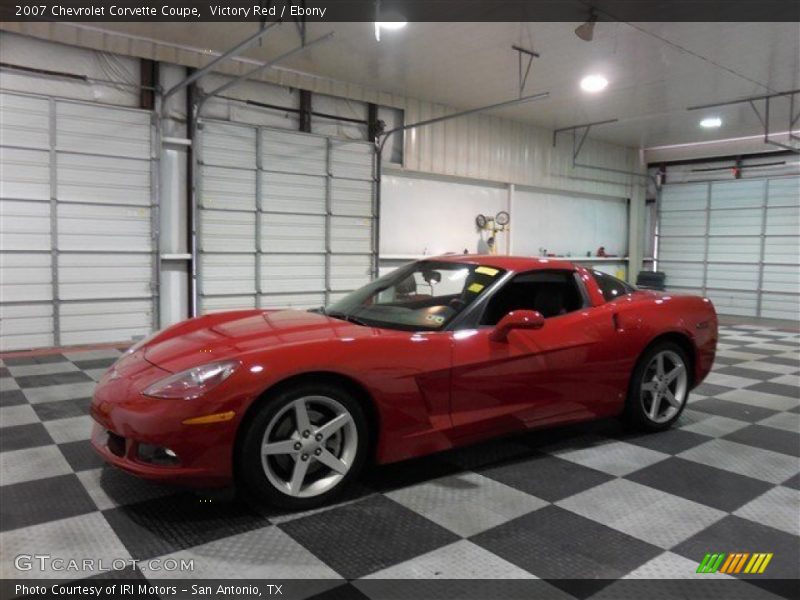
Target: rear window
(611, 287)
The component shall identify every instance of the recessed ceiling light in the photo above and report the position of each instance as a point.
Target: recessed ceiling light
(593, 83)
(388, 26)
(391, 25)
(711, 122)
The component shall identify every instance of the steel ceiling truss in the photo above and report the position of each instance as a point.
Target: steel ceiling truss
(764, 115)
(530, 54)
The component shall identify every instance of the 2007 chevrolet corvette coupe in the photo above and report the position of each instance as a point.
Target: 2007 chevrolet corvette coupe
(437, 354)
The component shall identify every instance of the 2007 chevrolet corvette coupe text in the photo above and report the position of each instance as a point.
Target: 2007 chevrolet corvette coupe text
(437, 354)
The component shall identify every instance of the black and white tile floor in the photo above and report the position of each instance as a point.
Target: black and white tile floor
(592, 501)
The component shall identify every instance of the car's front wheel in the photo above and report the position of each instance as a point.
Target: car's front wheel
(659, 387)
(304, 446)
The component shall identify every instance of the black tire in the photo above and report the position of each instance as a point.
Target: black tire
(635, 414)
(250, 472)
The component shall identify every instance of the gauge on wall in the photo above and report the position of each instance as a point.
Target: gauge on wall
(481, 221)
(502, 218)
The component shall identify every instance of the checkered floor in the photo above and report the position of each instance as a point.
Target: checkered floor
(592, 501)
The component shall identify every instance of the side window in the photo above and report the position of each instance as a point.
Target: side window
(611, 287)
(552, 293)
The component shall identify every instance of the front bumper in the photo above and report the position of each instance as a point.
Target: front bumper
(126, 421)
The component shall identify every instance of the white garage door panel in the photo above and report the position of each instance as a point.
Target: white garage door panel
(104, 228)
(292, 273)
(681, 248)
(228, 189)
(783, 221)
(102, 322)
(25, 277)
(682, 223)
(352, 160)
(734, 303)
(300, 213)
(781, 249)
(24, 174)
(101, 130)
(293, 152)
(24, 225)
(292, 301)
(25, 122)
(684, 197)
(737, 194)
(291, 193)
(732, 277)
(783, 192)
(229, 145)
(292, 233)
(351, 235)
(351, 197)
(226, 274)
(88, 276)
(84, 178)
(227, 231)
(746, 221)
(682, 274)
(749, 264)
(780, 306)
(26, 326)
(349, 272)
(781, 278)
(732, 249)
(212, 304)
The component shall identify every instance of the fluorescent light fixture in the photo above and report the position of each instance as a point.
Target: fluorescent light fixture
(594, 83)
(388, 26)
(711, 122)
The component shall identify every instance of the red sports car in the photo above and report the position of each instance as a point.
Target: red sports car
(437, 354)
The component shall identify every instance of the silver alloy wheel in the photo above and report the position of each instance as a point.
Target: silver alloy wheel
(664, 386)
(309, 446)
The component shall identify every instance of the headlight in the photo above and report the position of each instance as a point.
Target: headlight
(193, 383)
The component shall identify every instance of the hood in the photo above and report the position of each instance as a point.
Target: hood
(225, 335)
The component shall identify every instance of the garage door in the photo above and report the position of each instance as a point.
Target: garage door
(736, 242)
(77, 261)
(286, 218)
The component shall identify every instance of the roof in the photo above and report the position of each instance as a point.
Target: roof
(508, 263)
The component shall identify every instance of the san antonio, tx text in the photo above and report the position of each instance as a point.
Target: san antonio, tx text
(77, 590)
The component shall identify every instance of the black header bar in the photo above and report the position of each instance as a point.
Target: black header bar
(329, 11)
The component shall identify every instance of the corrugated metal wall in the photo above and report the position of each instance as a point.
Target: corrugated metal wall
(738, 242)
(286, 219)
(77, 260)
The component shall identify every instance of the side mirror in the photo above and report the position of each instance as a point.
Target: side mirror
(516, 319)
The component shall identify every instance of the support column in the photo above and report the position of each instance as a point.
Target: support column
(636, 228)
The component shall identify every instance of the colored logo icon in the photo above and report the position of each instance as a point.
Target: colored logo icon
(734, 562)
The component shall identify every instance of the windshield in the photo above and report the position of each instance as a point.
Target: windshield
(425, 295)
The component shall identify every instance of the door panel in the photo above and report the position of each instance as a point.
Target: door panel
(569, 369)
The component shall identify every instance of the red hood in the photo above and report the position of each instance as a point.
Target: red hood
(226, 335)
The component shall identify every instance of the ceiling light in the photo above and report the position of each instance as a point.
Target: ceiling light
(586, 31)
(388, 26)
(711, 122)
(594, 83)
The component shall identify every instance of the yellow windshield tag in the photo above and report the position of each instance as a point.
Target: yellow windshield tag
(475, 288)
(487, 271)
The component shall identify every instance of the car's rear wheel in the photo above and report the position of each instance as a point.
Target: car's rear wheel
(659, 387)
(304, 446)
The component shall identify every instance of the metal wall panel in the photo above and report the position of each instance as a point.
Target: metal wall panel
(228, 189)
(25, 122)
(292, 233)
(25, 277)
(227, 145)
(25, 174)
(76, 217)
(227, 231)
(291, 193)
(741, 248)
(104, 131)
(228, 274)
(282, 273)
(282, 151)
(103, 179)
